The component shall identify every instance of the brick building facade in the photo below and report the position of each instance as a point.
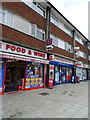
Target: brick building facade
(27, 62)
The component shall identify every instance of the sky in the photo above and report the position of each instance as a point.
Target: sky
(76, 11)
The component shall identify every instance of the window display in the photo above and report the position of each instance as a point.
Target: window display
(62, 74)
(34, 76)
(57, 74)
(68, 74)
(84, 74)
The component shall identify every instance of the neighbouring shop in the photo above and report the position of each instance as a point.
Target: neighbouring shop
(88, 72)
(21, 68)
(81, 71)
(63, 70)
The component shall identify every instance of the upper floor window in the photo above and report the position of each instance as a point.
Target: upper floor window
(81, 54)
(61, 44)
(37, 32)
(77, 38)
(68, 31)
(6, 17)
(57, 42)
(89, 57)
(89, 47)
(40, 9)
(2, 15)
(54, 40)
(40, 34)
(54, 20)
(36, 6)
(69, 47)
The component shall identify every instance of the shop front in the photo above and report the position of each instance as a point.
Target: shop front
(63, 70)
(88, 72)
(21, 68)
(81, 71)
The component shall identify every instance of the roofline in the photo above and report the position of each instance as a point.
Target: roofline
(67, 20)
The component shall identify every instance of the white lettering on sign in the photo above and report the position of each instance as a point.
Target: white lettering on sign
(10, 48)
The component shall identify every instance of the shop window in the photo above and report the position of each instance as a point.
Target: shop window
(68, 74)
(62, 74)
(34, 75)
(1, 66)
(57, 74)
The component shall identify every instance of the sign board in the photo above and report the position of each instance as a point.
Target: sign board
(82, 65)
(49, 44)
(49, 41)
(58, 59)
(76, 49)
(14, 49)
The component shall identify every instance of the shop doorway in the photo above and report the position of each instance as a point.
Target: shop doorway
(15, 72)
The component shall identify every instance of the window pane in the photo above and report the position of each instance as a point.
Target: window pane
(57, 74)
(39, 34)
(40, 10)
(61, 44)
(2, 15)
(55, 41)
(9, 18)
(34, 5)
(33, 28)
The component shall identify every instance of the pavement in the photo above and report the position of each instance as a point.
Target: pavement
(63, 101)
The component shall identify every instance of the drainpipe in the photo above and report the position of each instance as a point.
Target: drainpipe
(48, 14)
(86, 45)
(74, 45)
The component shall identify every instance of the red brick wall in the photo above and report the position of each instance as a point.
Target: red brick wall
(83, 60)
(60, 34)
(28, 13)
(82, 48)
(62, 52)
(13, 35)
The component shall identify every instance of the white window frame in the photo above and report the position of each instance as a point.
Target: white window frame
(71, 47)
(61, 46)
(37, 29)
(40, 30)
(37, 4)
(55, 19)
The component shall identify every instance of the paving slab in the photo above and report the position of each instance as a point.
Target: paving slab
(63, 101)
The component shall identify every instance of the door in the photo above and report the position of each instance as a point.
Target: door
(79, 73)
(14, 75)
